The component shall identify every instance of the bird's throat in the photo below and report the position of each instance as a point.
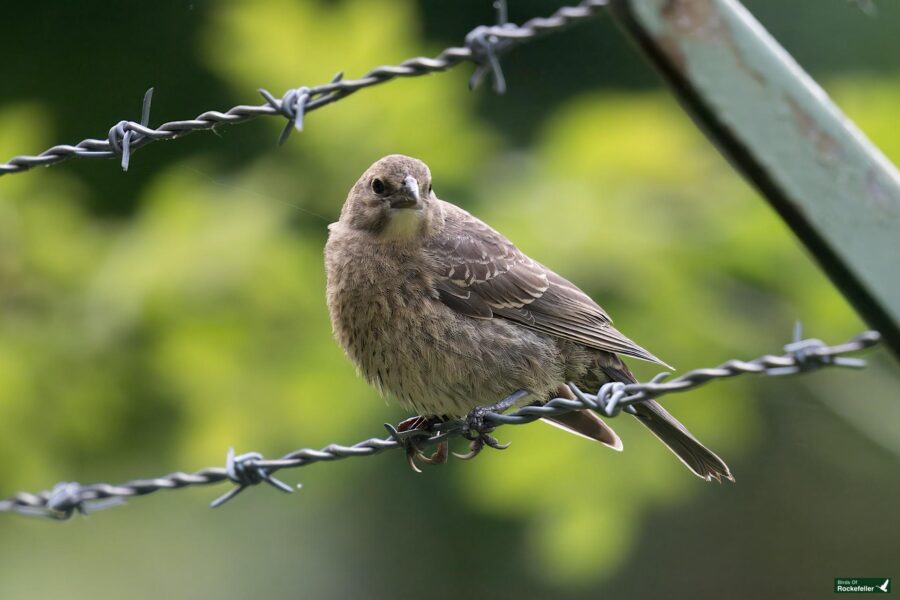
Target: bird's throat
(404, 223)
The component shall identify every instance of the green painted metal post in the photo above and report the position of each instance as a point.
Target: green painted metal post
(838, 193)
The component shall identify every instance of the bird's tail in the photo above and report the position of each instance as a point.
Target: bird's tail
(695, 456)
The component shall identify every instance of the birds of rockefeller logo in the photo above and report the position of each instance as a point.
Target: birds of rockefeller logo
(862, 585)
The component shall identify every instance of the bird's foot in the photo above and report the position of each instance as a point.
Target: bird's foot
(409, 432)
(438, 457)
(478, 440)
(479, 433)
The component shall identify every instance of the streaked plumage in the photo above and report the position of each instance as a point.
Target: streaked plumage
(443, 312)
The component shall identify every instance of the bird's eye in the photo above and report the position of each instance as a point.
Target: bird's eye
(377, 186)
(429, 188)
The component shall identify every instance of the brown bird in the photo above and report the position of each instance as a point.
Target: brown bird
(441, 311)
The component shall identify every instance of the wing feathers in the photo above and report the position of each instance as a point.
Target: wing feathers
(482, 274)
(463, 302)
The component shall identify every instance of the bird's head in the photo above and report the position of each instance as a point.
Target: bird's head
(393, 198)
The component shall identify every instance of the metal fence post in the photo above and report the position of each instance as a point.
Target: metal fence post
(838, 193)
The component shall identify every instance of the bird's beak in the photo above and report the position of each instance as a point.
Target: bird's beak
(410, 198)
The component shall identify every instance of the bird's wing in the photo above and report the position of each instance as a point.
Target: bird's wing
(482, 274)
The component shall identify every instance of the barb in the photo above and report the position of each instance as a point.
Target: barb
(486, 47)
(483, 47)
(121, 134)
(251, 468)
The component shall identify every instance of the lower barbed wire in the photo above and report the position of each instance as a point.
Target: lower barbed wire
(249, 469)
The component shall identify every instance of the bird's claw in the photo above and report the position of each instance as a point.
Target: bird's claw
(479, 434)
(414, 453)
(408, 433)
(478, 443)
(438, 457)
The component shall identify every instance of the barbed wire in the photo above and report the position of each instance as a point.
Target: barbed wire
(483, 47)
(245, 470)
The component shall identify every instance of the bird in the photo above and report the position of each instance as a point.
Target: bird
(443, 313)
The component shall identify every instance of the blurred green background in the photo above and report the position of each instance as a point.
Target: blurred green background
(151, 320)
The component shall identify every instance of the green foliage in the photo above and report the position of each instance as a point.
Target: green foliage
(139, 345)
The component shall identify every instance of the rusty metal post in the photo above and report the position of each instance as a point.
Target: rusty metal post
(838, 193)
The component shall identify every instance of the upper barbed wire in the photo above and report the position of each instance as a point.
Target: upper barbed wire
(245, 470)
(483, 45)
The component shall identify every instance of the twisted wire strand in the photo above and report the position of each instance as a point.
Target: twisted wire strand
(483, 45)
(245, 470)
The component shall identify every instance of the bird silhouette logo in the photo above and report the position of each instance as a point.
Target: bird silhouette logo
(884, 586)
